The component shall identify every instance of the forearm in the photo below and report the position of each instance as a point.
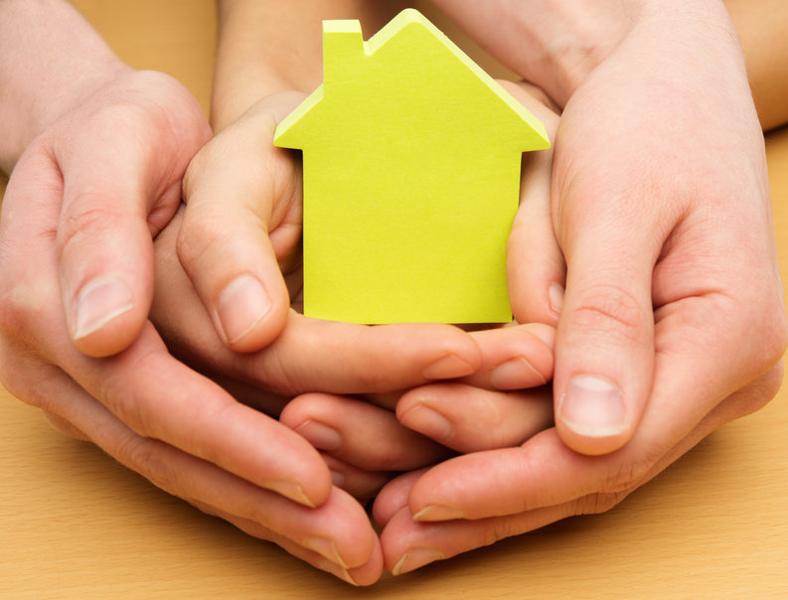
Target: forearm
(556, 44)
(266, 46)
(49, 58)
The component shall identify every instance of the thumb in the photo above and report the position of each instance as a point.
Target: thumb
(243, 203)
(605, 341)
(104, 243)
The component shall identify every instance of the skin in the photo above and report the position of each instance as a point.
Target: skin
(663, 317)
(137, 432)
(361, 441)
(97, 173)
(642, 320)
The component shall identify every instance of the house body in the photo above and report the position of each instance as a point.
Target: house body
(411, 158)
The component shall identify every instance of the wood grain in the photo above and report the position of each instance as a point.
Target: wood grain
(74, 524)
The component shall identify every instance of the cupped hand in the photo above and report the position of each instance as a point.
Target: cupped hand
(659, 231)
(76, 279)
(671, 324)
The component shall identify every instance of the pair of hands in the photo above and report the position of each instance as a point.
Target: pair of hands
(672, 318)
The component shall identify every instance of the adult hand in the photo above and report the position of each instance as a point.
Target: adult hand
(660, 211)
(76, 265)
(672, 320)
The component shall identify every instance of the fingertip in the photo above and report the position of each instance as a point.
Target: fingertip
(305, 477)
(458, 356)
(371, 571)
(592, 416)
(394, 496)
(249, 315)
(106, 316)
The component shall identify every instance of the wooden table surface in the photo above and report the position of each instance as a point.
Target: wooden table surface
(74, 524)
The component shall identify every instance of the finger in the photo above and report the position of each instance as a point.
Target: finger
(409, 544)
(471, 419)
(198, 417)
(250, 395)
(338, 529)
(535, 264)
(357, 482)
(310, 355)
(363, 435)
(544, 472)
(514, 357)
(170, 402)
(65, 427)
(239, 189)
(394, 496)
(365, 575)
(104, 238)
(605, 344)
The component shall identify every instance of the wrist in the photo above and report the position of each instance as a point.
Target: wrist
(585, 33)
(565, 41)
(50, 60)
(45, 109)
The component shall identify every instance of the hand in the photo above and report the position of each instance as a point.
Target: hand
(672, 321)
(76, 273)
(653, 186)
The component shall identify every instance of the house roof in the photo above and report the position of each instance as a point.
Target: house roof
(351, 29)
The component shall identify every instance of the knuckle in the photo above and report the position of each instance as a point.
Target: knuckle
(775, 335)
(198, 235)
(610, 309)
(594, 504)
(628, 475)
(760, 393)
(499, 529)
(197, 165)
(146, 458)
(126, 403)
(97, 219)
(64, 427)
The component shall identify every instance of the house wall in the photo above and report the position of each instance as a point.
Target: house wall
(403, 238)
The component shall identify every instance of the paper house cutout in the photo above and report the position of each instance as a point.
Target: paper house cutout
(411, 159)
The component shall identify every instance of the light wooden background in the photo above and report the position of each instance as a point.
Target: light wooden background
(74, 524)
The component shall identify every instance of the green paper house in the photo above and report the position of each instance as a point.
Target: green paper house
(411, 159)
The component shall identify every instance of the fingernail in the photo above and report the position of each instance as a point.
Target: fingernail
(334, 569)
(290, 490)
(415, 558)
(326, 548)
(241, 305)
(448, 367)
(320, 436)
(99, 302)
(437, 512)
(555, 295)
(337, 478)
(345, 574)
(514, 374)
(593, 407)
(427, 421)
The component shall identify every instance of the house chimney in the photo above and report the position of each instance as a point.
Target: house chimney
(343, 48)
